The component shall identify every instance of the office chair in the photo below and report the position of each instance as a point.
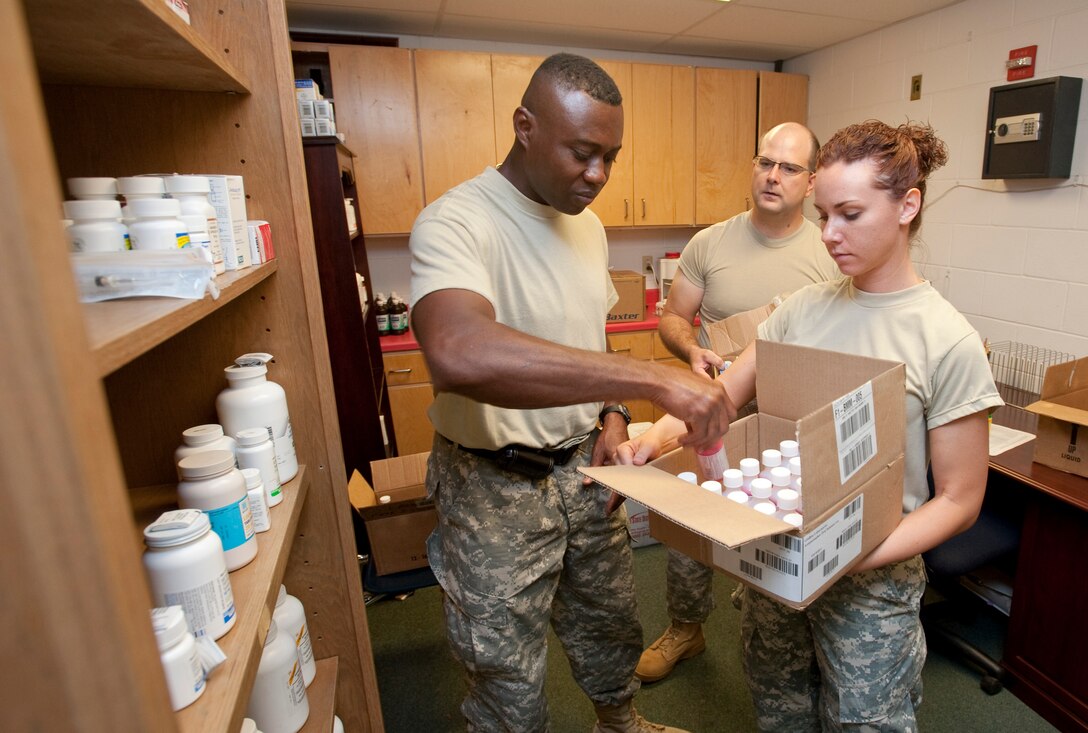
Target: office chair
(992, 540)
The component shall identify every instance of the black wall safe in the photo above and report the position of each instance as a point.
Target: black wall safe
(1030, 128)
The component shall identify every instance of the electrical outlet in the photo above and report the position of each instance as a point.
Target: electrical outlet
(648, 265)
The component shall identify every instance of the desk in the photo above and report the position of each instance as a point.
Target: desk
(1046, 652)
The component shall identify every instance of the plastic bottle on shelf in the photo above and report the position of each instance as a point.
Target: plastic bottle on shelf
(93, 188)
(398, 315)
(135, 188)
(251, 400)
(277, 702)
(177, 652)
(156, 225)
(258, 500)
(192, 193)
(255, 450)
(713, 462)
(749, 468)
(96, 226)
(381, 310)
(201, 439)
(290, 616)
(211, 483)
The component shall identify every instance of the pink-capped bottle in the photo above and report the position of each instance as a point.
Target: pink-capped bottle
(713, 462)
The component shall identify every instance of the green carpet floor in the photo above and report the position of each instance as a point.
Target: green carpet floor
(421, 687)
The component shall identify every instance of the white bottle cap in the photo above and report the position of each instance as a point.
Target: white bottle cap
(247, 366)
(732, 478)
(793, 518)
(203, 465)
(761, 488)
(788, 499)
(713, 487)
(749, 466)
(202, 434)
(92, 186)
(385, 499)
(154, 208)
(780, 476)
(738, 496)
(253, 478)
(688, 476)
(765, 507)
(169, 625)
(187, 184)
(92, 209)
(795, 465)
(772, 457)
(789, 449)
(251, 436)
(140, 186)
(248, 726)
(176, 528)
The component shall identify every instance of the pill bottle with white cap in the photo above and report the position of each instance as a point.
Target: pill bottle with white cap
(155, 225)
(201, 439)
(96, 226)
(177, 651)
(251, 400)
(97, 188)
(291, 618)
(211, 482)
(277, 702)
(258, 500)
(192, 193)
(255, 450)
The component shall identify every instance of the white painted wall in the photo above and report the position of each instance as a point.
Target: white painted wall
(1011, 256)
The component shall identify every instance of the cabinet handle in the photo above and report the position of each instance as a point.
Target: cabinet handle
(622, 351)
(626, 208)
(643, 208)
(400, 371)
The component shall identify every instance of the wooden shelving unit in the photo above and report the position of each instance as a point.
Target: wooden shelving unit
(97, 394)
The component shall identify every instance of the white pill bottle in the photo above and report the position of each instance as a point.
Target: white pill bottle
(252, 401)
(278, 702)
(211, 483)
(177, 651)
(290, 616)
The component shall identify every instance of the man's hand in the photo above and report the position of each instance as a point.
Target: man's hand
(703, 405)
(702, 360)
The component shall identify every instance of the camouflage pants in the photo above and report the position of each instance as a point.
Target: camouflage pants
(852, 661)
(514, 555)
(688, 589)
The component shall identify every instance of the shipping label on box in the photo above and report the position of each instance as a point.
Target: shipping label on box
(799, 390)
(397, 529)
(1061, 440)
(631, 287)
(228, 196)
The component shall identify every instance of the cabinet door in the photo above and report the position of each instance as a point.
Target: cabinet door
(663, 141)
(409, 407)
(782, 98)
(615, 204)
(456, 117)
(376, 111)
(510, 76)
(636, 345)
(725, 142)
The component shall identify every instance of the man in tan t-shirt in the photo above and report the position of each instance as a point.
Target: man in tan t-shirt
(730, 267)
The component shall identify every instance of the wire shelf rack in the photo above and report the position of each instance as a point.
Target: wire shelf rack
(1018, 369)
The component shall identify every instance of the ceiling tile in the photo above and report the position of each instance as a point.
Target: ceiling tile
(742, 23)
(497, 29)
(651, 17)
(350, 20)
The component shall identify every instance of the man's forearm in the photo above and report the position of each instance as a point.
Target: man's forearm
(677, 335)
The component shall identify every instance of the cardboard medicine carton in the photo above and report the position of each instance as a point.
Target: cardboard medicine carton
(398, 529)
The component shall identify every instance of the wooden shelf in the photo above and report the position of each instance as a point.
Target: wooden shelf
(255, 588)
(321, 695)
(121, 330)
(126, 43)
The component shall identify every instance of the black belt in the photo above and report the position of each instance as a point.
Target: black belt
(535, 463)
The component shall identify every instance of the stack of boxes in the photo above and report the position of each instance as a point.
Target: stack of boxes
(315, 113)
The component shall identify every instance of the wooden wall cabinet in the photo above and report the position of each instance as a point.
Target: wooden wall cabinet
(782, 98)
(615, 203)
(97, 395)
(725, 141)
(510, 77)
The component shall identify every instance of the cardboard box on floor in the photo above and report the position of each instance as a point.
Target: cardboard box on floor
(397, 530)
(1063, 415)
(847, 413)
(631, 287)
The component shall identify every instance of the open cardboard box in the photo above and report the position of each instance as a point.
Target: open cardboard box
(847, 413)
(398, 530)
(729, 336)
(631, 287)
(1063, 414)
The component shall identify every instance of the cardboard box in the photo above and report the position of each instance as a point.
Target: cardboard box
(398, 530)
(631, 287)
(847, 413)
(228, 196)
(638, 524)
(1063, 415)
(728, 337)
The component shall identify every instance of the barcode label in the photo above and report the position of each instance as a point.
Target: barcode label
(751, 570)
(851, 508)
(774, 562)
(855, 428)
(848, 534)
(788, 542)
(816, 559)
(831, 565)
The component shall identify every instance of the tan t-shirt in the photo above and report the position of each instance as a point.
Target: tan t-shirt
(545, 273)
(947, 373)
(740, 269)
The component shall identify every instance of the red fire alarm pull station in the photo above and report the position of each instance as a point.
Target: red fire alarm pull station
(1021, 63)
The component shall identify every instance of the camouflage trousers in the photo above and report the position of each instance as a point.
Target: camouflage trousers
(689, 590)
(852, 661)
(515, 554)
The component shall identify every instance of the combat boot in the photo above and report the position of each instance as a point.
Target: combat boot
(680, 641)
(623, 718)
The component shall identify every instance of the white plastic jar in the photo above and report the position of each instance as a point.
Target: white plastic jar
(255, 450)
(197, 228)
(185, 567)
(156, 226)
(290, 616)
(258, 500)
(252, 401)
(201, 439)
(134, 188)
(93, 188)
(96, 226)
(210, 482)
(192, 193)
(177, 651)
(278, 703)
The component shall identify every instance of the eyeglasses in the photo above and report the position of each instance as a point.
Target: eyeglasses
(767, 165)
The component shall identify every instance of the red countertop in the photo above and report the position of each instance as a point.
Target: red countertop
(407, 342)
